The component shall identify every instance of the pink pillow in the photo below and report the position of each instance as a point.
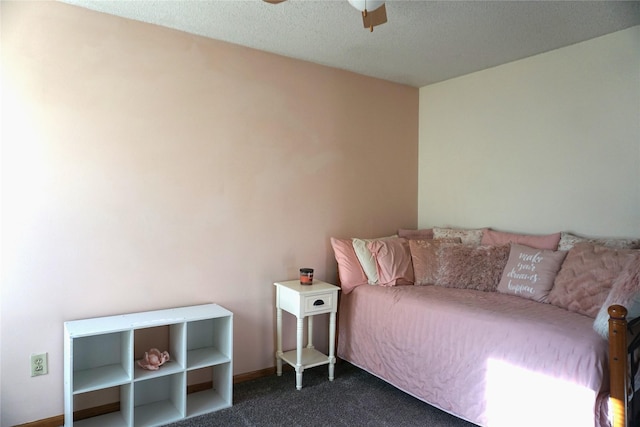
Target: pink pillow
(393, 261)
(492, 237)
(424, 256)
(471, 267)
(349, 268)
(426, 233)
(530, 272)
(586, 277)
(625, 291)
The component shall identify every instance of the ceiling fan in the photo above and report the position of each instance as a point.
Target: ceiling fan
(374, 12)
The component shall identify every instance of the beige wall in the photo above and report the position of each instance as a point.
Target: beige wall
(144, 168)
(543, 144)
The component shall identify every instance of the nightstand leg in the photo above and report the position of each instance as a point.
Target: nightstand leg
(299, 344)
(279, 342)
(332, 344)
(310, 332)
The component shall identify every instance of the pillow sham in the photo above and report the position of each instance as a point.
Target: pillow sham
(467, 236)
(625, 291)
(471, 267)
(493, 237)
(530, 272)
(393, 261)
(366, 259)
(568, 240)
(426, 233)
(424, 256)
(586, 276)
(349, 268)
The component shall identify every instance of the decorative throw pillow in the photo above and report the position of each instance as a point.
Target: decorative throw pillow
(471, 267)
(366, 259)
(625, 291)
(424, 256)
(349, 268)
(426, 233)
(568, 240)
(493, 237)
(393, 261)
(530, 272)
(468, 237)
(586, 276)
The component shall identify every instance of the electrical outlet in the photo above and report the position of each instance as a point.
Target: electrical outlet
(39, 365)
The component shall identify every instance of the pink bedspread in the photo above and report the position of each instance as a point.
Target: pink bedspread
(490, 358)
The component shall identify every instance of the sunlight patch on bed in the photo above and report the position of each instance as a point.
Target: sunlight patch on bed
(509, 402)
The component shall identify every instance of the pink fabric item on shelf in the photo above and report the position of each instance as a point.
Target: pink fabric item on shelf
(493, 237)
(425, 233)
(393, 261)
(586, 277)
(349, 268)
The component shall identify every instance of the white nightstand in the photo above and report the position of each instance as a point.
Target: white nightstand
(306, 301)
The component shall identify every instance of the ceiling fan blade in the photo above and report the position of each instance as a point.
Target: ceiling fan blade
(372, 18)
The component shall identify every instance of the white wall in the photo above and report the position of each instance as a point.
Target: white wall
(543, 144)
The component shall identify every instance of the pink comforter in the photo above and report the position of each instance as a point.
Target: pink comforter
(490, 358)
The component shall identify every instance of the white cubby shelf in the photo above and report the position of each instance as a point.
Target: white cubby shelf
(100, 356)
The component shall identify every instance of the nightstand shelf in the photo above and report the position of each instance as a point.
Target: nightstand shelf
(310, 357)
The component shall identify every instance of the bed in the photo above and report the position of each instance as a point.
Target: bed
(496, 332)
(489, 358)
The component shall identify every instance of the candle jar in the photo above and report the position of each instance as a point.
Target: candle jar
(306, 276)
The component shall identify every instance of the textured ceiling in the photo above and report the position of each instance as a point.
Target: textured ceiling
(423, 42)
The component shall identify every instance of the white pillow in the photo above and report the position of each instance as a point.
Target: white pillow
(367, 261)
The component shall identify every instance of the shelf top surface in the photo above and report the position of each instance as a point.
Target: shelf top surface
(317, 286)
(145, 319)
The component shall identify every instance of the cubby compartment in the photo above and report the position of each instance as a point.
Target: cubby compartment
(208, 342)
(101, 361)
(118, 397)
(101, 370)
(160, 400)
(217, 392)
(168, 338)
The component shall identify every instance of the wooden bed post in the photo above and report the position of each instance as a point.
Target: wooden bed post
(618, 364)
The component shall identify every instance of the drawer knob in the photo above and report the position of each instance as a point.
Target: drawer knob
(318, 302)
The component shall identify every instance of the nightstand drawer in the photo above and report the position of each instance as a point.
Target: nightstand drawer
(319, 303)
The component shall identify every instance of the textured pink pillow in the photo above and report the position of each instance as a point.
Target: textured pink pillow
(586, 276)
(492, 237)
(426, 233)
(471, 267)
(468, 236)
(530, 272)
(625, 291)
(424, 256)
(349, 268)
(568, 240)
(393, 261)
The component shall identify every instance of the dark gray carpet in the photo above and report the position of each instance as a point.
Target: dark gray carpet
(354, 398)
